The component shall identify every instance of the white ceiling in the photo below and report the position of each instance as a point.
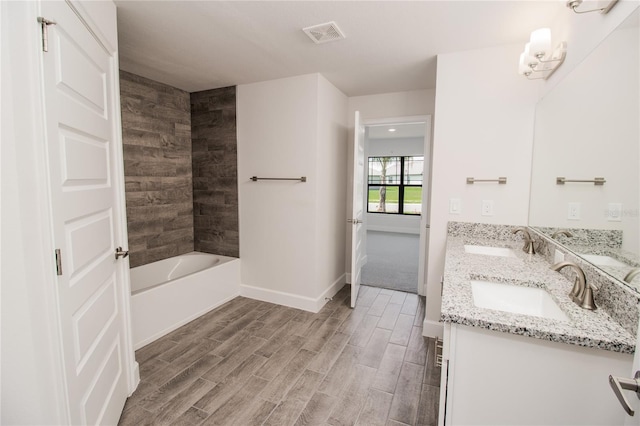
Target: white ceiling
(390, 46)
(395, 131)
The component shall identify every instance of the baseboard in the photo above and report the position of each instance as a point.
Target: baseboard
(432, 329)
(347, 277)
(399, 230)
(292, 300)
(156, 336)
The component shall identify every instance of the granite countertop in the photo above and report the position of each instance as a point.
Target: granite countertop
(585, 328)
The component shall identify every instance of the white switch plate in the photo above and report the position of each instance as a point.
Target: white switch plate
(614, 212)
(487, 207)
(558, 256)
(455, 206)
(573, 212)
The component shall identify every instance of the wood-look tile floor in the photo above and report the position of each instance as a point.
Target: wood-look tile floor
(255, 363)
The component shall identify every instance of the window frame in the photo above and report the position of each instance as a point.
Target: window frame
(401, 185)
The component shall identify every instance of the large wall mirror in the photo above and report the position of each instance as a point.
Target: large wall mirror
(587, 132)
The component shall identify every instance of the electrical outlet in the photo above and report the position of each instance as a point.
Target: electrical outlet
(487, 207)
(455, 206)
(573, 212)
(614, 212)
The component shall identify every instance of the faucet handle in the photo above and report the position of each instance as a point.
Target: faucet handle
(587, 299)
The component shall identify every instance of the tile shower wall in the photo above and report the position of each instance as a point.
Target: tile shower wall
(156, 131)
(215, 171)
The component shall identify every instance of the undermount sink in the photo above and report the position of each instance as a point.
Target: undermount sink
(603, 260)
(516, 299)
(489, 251)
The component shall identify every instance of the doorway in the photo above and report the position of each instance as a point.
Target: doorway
(396, 192)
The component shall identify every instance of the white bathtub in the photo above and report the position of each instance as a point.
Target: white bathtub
(169, 293)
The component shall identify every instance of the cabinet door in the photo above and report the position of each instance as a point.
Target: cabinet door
(504, 379)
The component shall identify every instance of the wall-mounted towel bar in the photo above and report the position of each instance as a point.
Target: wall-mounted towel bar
(300, 179)
(500, 180)
(595, 181)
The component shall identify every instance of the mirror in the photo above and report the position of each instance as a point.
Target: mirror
(587, 127)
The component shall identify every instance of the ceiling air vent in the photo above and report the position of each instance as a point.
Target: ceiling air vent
(324, 33)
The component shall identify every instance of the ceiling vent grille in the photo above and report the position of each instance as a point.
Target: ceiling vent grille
(324, 33)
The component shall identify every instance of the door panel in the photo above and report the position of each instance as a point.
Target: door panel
(357, 214)
(80, 127)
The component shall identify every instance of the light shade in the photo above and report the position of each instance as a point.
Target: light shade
(523, 67)
(540, 42)
(528, 56)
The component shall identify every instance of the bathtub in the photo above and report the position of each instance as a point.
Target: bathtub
(171, 292)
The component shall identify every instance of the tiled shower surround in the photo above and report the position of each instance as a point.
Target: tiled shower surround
(161, 179)
(215, 171)
(156, 134)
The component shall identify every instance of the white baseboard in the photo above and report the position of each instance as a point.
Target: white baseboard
(399, 230)
(347, 277)
(292, 300)
(432, 329)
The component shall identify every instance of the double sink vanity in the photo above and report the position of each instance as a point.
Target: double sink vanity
(517, 349)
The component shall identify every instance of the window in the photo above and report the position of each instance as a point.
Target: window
(395, 185)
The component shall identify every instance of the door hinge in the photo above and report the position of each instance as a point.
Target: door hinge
(58, 262)
(43, 26)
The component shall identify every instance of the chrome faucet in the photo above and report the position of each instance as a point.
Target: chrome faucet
(631, 275)
(561, 232)
(581, 293)
(528, 241)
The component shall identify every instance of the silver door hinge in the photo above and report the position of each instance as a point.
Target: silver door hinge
(58, 262)
(43, 26)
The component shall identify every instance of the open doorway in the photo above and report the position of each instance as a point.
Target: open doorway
(397, 179)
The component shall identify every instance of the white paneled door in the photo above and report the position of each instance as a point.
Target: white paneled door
(81, 129)
(357, 214)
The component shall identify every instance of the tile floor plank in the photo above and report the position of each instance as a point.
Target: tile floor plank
(389, 369)
(402, 330)
(317, 410)
(376, 408)
(404, 407)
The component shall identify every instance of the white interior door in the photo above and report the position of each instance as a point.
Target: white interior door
(357, 213)
(81, 125)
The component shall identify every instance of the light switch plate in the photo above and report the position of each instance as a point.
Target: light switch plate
(573, 212)
(614, 212)
(487, 207)
(558, 256)
(455, 206)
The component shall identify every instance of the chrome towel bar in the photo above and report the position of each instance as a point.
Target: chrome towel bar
(500, 180)
(595, 181)
(300, 179)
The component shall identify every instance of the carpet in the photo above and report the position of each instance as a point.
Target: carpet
(392, 261)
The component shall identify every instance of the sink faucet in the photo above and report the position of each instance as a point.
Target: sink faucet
(581, 293)
(631, 275)
(561, 232)
(528, 241)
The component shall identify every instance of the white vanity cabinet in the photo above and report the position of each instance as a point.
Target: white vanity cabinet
(495, 378)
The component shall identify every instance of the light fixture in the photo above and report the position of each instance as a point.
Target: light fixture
(539, 60)
(392, 129)
(575, 5)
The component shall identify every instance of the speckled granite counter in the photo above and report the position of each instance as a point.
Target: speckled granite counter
(585, 328)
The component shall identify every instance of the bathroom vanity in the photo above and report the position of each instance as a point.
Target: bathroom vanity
(543, 360)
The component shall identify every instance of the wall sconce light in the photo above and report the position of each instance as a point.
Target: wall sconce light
(575, 4)
(539, 61)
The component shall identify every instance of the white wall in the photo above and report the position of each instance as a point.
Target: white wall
(385, 105)
(483, 129)
(286, 128)
(331, 163)
(31, 387)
